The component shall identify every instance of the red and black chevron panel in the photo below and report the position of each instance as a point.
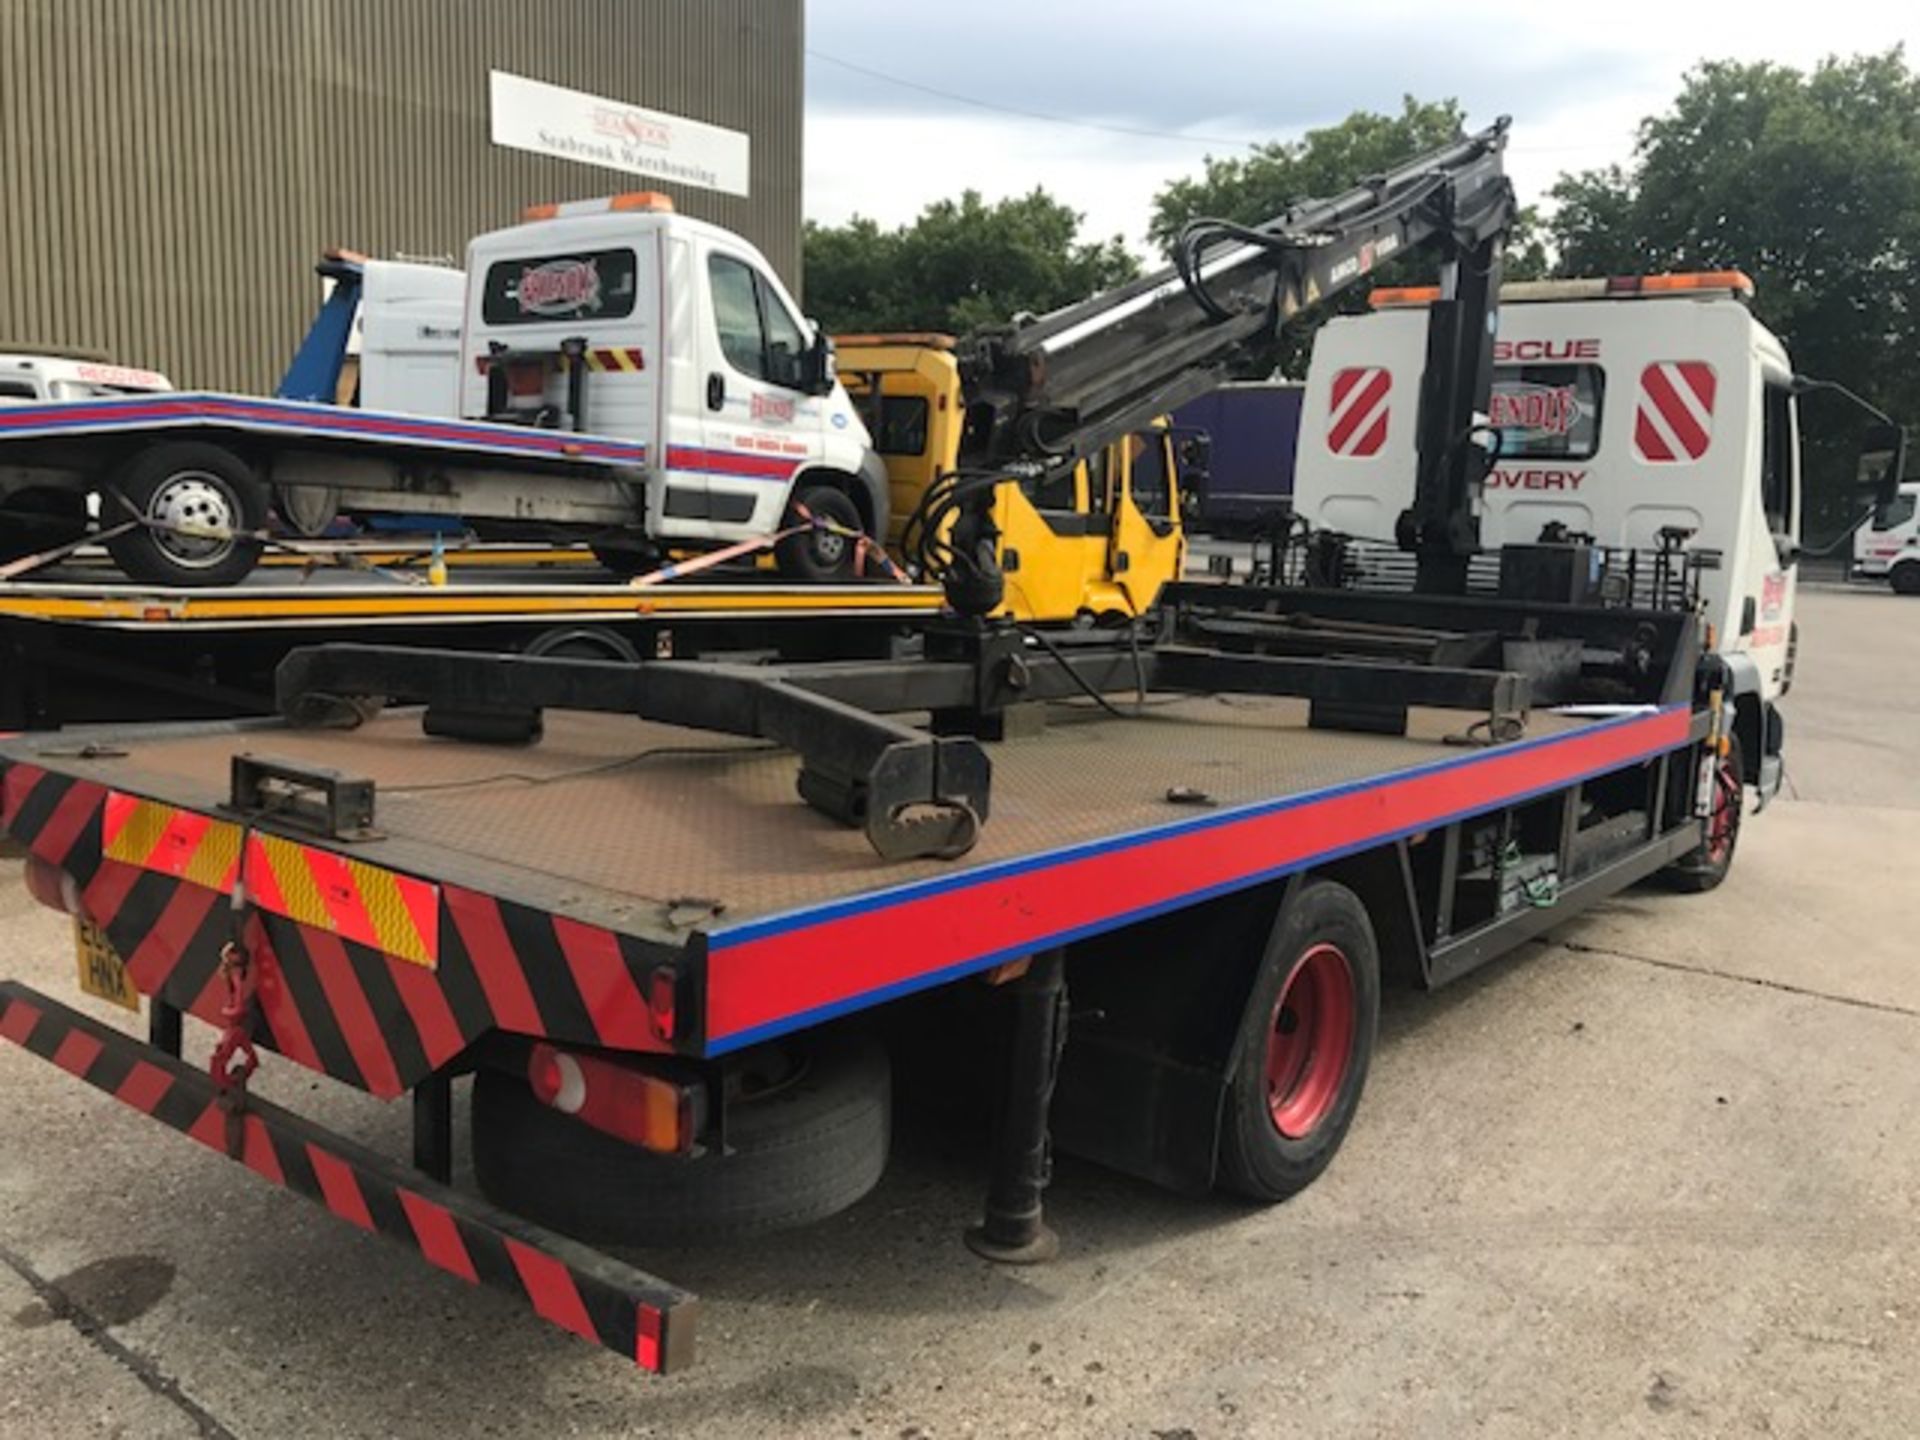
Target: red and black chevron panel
(597, 1297)
(340, 1006)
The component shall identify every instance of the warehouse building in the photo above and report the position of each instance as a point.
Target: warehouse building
(170, 172)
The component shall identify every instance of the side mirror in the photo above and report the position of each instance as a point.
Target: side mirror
(1193, 458)
(1883, 455)
(820, 372)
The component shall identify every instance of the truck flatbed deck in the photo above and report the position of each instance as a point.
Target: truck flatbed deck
(678, 848)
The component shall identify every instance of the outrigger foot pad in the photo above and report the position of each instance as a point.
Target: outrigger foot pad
(1041, 1247)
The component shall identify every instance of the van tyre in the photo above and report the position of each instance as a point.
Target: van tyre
(817, 554)
(193, 485)
(1706, 865)
(808, 1147)
(1905, 578)
(1304, 1044)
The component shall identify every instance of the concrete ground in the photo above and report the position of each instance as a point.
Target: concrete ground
(1659, 1175)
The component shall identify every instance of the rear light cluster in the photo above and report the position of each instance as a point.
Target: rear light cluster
(618, 1098)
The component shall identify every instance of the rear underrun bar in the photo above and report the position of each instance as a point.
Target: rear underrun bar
(644, 1319)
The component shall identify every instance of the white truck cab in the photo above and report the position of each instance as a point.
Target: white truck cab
(1887, 547)
(1627, 410)
(619, 317)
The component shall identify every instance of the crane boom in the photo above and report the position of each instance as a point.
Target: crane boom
(1052, 390)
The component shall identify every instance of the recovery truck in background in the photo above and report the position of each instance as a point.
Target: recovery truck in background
(1635, 417)
(677, 986)
(1888, 546)
(626, 375)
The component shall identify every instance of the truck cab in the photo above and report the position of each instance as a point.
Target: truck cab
(1638, 414)
(1887, 546)
(1094, 543)
(619, 317)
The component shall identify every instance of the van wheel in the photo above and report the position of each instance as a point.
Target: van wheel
(201, 504)
(1304, 1045)
(1706, 865)
(807, 1135)
(1905, 578)
(626, 556)
(817, 554)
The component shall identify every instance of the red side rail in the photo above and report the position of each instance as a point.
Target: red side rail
(644, 1319)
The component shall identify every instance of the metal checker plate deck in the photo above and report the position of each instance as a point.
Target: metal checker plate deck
(647, 814)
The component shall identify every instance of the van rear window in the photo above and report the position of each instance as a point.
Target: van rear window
(1548, 412)
(546, 289)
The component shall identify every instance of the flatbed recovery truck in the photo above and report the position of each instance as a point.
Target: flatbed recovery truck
(591, 886)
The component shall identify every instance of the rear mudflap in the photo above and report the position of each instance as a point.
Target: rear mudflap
(599, 1298)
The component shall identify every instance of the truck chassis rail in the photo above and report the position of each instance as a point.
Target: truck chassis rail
(575, 1287)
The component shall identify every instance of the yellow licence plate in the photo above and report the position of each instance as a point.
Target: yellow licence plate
(102, 971)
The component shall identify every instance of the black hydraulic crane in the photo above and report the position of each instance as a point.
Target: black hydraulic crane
(1051, 391)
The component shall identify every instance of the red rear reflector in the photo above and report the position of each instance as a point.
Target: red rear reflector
(660, 1001)
(617, 1099)
(527, 379)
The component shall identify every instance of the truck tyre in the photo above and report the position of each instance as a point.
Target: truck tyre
(1304, 1044)
(190, 483)
(819, 554)
(1706, 865)
(1905, 578)
(801, 1149)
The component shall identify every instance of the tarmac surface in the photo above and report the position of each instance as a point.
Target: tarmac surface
(1657, 1175)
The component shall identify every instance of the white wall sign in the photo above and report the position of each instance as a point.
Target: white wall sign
(549, 120)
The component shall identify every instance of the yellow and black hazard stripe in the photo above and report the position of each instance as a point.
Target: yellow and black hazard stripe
(374, 977)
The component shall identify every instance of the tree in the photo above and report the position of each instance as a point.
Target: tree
(961, 265)
(1324, 162)
(1809, 182)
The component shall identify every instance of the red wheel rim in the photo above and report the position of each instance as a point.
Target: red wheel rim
(1724, 822)
(1310, 1041)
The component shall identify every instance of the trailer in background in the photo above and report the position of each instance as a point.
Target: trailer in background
(1252, 429)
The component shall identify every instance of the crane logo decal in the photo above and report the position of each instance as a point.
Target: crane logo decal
(1357, 419)
(1673, 414)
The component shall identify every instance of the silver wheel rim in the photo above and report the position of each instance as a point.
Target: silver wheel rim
(194, 501)
(829, 547)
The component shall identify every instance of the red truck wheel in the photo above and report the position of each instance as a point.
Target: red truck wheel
(198, 504)
(803, 1143)
(1305, 1041)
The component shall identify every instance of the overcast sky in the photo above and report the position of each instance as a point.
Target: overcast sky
(1576, 78)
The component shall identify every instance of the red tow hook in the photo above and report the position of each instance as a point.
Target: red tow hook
(234, 1059)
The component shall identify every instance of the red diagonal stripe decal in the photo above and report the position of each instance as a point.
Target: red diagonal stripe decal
(18, 1022)
(107, 892)
(69, 817)
(1360, 410)
(145, 1086)
(494, 960)
(353, 1011)
(646, 1338)
(16, 783)
(614, 1002)
(159, 950)
(426, 1002)
(439, 1237)
(339, 1186)
(551, 1288)
(1674, 410)
(284, 1021)
(77, 1052)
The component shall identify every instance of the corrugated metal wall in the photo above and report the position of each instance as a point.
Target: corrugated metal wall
(170, 169)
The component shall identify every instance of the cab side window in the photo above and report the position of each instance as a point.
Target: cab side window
(758, 334)
(1776, 458)
(1147, 475)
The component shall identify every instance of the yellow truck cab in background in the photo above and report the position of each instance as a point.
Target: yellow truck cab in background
(1095, 545)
